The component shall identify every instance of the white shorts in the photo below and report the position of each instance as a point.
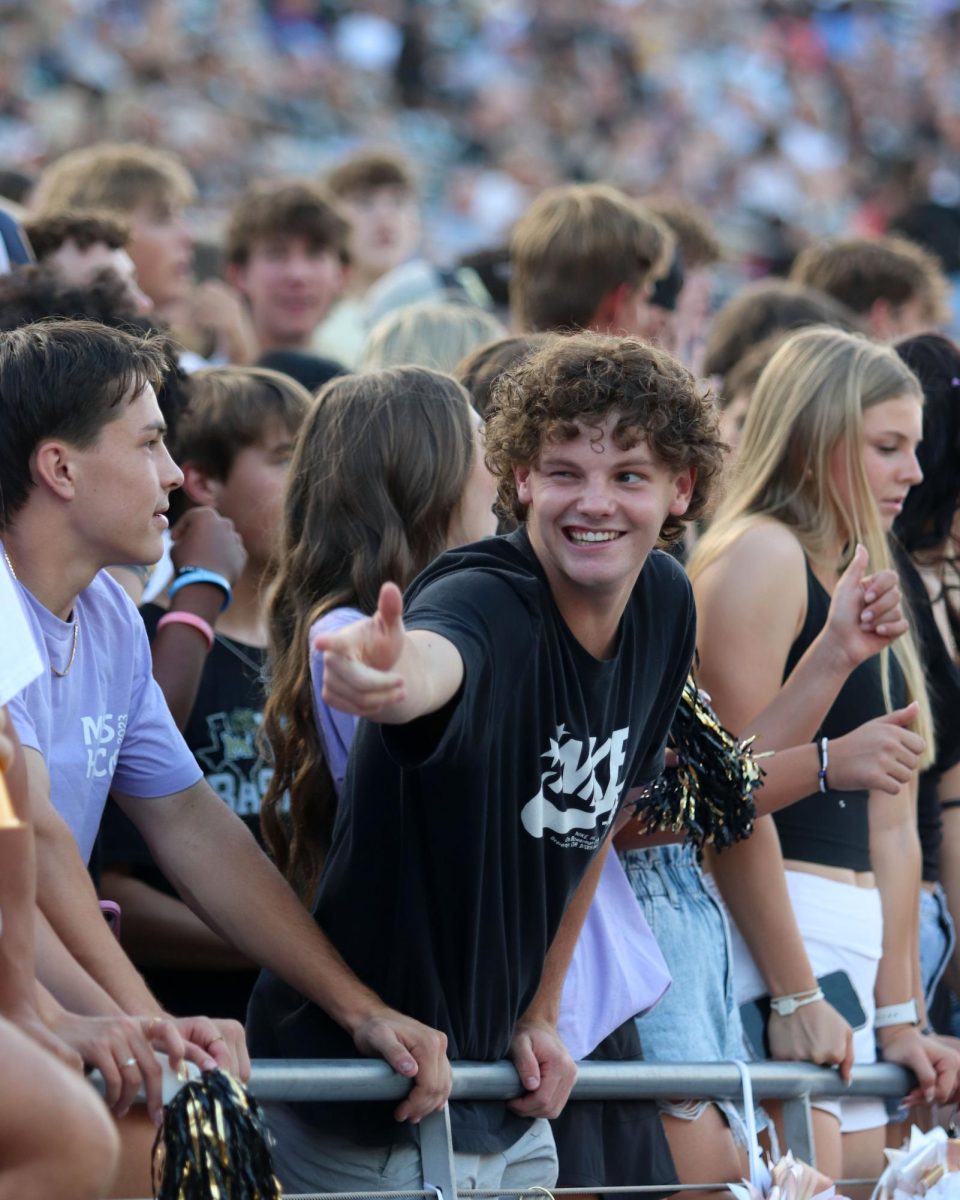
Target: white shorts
(842, 930)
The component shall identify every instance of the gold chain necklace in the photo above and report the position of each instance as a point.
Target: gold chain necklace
(76, 628)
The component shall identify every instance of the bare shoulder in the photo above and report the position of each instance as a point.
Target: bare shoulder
(757, 582)
(764, 552)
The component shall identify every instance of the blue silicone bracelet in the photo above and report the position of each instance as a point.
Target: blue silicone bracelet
(188, 575)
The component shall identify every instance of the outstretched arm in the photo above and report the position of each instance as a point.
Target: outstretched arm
(374, 668)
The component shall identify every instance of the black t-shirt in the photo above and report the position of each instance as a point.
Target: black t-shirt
(461, 837)
(222, 733)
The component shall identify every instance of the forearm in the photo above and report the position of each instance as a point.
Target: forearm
(60, 973)
(158, 930)
(17, 901)
(788, 776)
(179, 652)
(67, 899)
(950, 875)
(248, 903)
(545, 1005)
(751, 880)
(795, 714)
(895, 857)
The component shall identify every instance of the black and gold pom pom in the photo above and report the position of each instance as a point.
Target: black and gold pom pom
(213, 1144)
(709, 793)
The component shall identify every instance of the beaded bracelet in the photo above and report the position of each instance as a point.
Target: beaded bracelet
(824, 763)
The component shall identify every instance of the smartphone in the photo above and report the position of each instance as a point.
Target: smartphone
(837, 990)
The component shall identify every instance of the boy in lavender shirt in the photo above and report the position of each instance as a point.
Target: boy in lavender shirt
(86, 483)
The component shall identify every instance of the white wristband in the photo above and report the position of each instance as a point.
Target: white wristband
(896, 1014)
(786, 1006)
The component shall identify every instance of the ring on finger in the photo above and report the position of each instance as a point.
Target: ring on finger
(130, 1062)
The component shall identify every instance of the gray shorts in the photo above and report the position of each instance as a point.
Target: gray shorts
(308, 1159)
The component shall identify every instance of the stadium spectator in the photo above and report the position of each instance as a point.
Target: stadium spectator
(896, 288)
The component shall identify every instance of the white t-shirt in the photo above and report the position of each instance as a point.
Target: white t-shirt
(20, 661)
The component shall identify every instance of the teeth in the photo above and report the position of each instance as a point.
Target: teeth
(577, 535)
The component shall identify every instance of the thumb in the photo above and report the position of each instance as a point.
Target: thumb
(526, 1064)
(388, 1045)
(390, 607)
(858, 566)
(903, 716)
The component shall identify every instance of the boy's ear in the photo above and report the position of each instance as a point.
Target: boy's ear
(683, 483)
(235, 275)
(880, 320)
(521, 476)
(607, 314)
(54, 469)
(200, 486)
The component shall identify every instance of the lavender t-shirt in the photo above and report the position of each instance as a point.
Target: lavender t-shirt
(19, 658)
(105, 724)
(336, 728)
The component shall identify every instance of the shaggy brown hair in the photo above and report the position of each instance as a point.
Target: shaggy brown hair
(282, 210)
(766, 307)
(117, 177)
(858, 271)
(573, 246)
(582, 379)
(369, 170)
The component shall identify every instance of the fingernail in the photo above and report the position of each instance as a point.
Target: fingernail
(929, 1095)
(408, 1066)
(531, 1083)
(209, 1064)
(870, 597)
(867, 615)
(157, 1118)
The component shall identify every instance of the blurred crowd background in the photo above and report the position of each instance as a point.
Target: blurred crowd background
(788, 120)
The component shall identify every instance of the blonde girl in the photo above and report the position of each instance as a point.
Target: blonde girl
(827, 459)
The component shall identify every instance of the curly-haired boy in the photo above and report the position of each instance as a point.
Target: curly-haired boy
(514, 698)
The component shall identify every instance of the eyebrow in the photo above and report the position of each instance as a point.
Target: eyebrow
(619, 464)
(155, 427)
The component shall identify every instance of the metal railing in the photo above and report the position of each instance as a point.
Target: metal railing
(795, 1084)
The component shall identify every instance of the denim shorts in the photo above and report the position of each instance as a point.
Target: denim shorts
(937, 939)
(698, 1019)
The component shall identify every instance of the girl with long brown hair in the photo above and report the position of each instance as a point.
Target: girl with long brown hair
(388, 472)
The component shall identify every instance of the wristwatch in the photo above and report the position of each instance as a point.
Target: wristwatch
(897, 1014)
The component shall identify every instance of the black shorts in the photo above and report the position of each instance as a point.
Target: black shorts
(613, 1143)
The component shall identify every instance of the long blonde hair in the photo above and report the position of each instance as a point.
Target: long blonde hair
(809, 401)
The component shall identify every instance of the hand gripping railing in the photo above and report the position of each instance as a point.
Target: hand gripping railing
(794, 1083)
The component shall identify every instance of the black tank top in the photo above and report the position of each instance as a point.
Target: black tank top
(832, 828)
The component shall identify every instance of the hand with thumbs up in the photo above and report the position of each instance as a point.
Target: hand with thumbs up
(866, 612)
(374, 668)
(880, 755)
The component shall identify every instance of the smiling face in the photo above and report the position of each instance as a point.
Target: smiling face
(121, 486)
(594, 513)
(891, 434)
(290, 284)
